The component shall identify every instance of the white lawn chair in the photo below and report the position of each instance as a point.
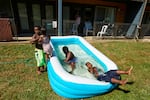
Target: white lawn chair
(75, 29)
(89, 28)
(103, 30)
(89, 31)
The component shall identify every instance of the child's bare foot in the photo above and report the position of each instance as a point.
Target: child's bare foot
(45, 69)
(38, 72)
(129, 71)
(42, 70)
(123, 82)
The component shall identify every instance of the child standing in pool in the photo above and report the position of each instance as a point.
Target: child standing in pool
(70, 58)
(112, 76)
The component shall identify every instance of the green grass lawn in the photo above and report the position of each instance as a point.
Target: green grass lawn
(19, 80)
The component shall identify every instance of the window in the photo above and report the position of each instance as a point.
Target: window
(36, 14)
(23, 16)
(105, 14)
(66, 13)
(146, 18)
(49, 12)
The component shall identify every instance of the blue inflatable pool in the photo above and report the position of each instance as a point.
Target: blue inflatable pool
(77, 86)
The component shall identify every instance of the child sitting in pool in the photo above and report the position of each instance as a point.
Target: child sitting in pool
(70, 58)
(112, 76)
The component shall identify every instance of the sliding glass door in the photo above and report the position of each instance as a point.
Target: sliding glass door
(49, 12)
(105, 14)
(30, 14)
(36, 11)
(23, 17)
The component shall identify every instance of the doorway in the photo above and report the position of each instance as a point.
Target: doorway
(29, 15)
(36, 12)
(23, 17)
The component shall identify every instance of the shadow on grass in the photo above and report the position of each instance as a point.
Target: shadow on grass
(124, 90)
(121, 89)
(117, 88)
(130, 83)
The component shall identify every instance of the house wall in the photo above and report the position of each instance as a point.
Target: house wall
(147, 8)
(124, 12)
(5, 9)
(121, 7)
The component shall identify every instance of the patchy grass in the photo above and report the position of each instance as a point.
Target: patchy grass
(19, 80)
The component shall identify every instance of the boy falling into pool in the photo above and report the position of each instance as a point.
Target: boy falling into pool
(112, 76)
(70, 58)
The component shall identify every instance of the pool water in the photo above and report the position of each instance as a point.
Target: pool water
(82, 58)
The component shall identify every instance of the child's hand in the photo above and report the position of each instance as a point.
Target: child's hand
(65, 61)
(32, 42)
(40, 39)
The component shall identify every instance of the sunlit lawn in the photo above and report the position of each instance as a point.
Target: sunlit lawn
(19, 80)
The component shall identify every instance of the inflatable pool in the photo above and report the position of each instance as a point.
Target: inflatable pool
(79, 84)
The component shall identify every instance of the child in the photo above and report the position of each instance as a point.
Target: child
(45, 40)
(112, 76)
(39, 55)
(70, 58)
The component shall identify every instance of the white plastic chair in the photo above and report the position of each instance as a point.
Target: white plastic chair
(89, 28)
(75, 29)
(89, 31)
(103, 31)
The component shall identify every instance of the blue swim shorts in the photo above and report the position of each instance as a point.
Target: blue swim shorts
(108, 75)
(74, 60)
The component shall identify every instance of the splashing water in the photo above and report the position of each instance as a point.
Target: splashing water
(82, 58)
